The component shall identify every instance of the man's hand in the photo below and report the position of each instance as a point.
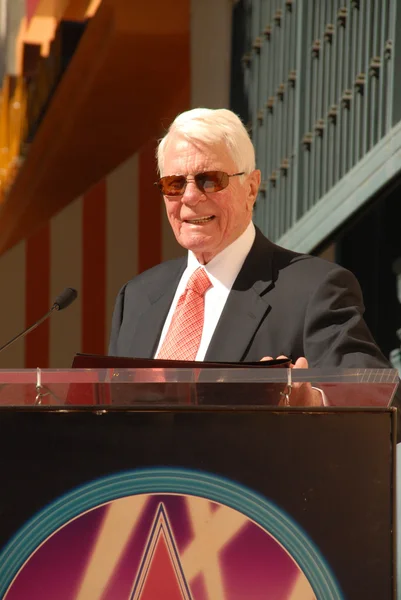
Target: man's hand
(302, 394)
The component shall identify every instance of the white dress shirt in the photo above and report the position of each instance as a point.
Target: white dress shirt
(222, 271)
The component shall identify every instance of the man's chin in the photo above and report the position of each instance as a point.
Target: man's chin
(198, 245)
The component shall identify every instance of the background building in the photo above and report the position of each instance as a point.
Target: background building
(88, 88)
(319, 83)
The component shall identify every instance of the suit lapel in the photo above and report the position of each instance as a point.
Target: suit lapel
(247, 305)
(150, 322)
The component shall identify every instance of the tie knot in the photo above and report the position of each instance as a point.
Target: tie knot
(199, 282)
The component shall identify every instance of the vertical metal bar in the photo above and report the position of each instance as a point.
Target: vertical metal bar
(304, 98)
(277, 40)
(343, 25)
(367, 90)
(325, 98)
(301, 94)
(281, 99)
(379, 26)
(247, 45)
(374, 75)
(314, 104)
(340, 91)
(376, 71)
(288, 42)
(283, 116)
(320, 109)
(333, 102)
(266, 17)
(270, 120)
(394, 28)
(276, 36)
(255, 71)
(291, 41)
(346, 83)
(383, 72)
(269, 123)
(290, 143)
(254, 68)
(357, 91)
(353, 44)
(314, 107)
(261, 112)
(273, 120)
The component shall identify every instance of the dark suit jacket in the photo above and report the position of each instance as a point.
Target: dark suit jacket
(282, 302)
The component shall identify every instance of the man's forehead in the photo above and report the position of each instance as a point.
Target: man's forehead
(197, 154)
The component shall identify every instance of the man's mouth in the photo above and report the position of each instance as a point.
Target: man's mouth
(199, 220)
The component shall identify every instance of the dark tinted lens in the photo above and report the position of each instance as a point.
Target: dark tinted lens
(173, 185)
(212, 181)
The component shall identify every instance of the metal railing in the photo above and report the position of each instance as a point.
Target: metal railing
(320, 81)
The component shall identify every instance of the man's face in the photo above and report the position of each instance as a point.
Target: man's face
(229, 211)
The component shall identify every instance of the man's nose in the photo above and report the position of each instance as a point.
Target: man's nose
(192, 194)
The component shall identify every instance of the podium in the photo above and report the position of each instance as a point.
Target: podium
(140, 484)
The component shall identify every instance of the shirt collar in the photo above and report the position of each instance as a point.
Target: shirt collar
(225, 266)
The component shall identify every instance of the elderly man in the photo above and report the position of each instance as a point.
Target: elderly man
(236, 296)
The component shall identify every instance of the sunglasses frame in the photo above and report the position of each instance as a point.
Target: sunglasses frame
(196, 179)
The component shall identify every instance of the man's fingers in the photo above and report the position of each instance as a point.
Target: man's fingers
(301, 363)
(302, 388)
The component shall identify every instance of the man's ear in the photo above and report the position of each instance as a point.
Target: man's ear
(254, 183)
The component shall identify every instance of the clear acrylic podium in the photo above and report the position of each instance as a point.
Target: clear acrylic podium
(139, 484)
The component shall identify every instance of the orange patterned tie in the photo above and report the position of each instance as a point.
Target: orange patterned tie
(184, 334)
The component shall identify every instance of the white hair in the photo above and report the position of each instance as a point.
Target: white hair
(209, 126)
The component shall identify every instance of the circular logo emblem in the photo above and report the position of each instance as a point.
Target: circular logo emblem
(163, 533)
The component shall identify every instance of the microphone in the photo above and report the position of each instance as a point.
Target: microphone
(66, 297)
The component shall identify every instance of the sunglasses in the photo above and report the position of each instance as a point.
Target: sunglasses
(207, 182)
